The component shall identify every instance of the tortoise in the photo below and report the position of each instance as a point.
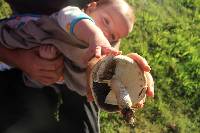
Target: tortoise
(116, 83)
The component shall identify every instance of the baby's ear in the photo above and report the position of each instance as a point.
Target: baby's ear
(91, 6)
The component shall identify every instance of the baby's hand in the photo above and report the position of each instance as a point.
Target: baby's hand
(48, 52)
(86, 31)
(106, 50)
(101, 46)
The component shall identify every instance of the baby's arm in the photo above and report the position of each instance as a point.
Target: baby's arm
(88, 32)
(75, 22)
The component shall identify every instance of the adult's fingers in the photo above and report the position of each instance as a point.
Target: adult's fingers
(150, 90)
(115, 51)
(49, 74)
(60, 70)
(150, 85)
(51, 65)
(47, 81)
(140, 104)
(49, 77)
(141, 61)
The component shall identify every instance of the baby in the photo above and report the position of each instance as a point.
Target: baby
(101, 22)
(96, 25)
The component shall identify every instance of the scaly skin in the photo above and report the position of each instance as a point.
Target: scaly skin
(120, 83)
(123, 100)
(122, 95)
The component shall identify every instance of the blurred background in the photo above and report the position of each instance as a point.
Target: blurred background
(167, 34)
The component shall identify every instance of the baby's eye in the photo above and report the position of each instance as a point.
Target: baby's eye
(106, 21)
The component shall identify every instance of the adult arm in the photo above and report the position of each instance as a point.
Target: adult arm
(44, 71)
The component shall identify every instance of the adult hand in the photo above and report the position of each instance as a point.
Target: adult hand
(146, 68)
(44, 71)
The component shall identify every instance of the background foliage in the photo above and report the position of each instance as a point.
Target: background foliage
(167, 34)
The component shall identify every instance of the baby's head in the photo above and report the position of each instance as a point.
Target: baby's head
(114, 17)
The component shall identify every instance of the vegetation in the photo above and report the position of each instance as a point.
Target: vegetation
(167, 34)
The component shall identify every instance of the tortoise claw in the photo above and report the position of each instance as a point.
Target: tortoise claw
(128, 115)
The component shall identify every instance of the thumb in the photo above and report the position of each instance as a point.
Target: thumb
(150, 84)
(141, 61)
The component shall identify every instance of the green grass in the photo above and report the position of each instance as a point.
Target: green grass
(5, 11)
(167, 34)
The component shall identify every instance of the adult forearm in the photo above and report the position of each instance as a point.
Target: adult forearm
(44, 71)
(8, 56)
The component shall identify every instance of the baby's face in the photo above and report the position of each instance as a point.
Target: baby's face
(110, 19)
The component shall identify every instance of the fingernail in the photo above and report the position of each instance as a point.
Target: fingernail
(147, 68)
(97, 56)
(150, 94)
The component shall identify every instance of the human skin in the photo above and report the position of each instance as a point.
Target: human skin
(115, 26)
(143, 65)
(39, 69)
(111, 24)
(111, 19)
(48, 72)
(146, 68)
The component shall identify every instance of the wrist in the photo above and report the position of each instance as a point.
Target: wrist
(11, 57)
(16, 58)
(7, 56)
